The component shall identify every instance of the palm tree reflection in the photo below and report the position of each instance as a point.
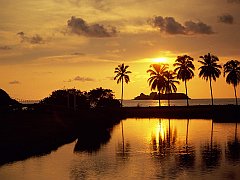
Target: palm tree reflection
(211, 153)
(166, 141)
(186, 156)
(123, 148)
(233, 148)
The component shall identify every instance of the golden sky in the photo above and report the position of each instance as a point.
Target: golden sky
(53, 44)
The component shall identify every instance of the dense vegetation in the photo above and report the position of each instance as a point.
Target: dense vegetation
(73, 98)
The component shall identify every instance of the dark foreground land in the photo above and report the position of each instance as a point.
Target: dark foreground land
(32, 133)
(218, 113)
(36, 132)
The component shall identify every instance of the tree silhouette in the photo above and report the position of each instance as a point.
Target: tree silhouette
(158, 79)
(170, 83)
(67, 97)
(122, 75)
(209, 69)
(184, 69)
(232, 69)
(100, 97)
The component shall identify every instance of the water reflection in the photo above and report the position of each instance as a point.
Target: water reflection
(163, 143)
(185, 158)
(142, 149)
(172, 155)
(233, 148)
(123, 149)
(91, 141)
(211, 153)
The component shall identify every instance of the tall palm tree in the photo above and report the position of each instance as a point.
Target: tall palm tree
(185, 70)
(209, 69)
(157, 78)
(170, 83)
(232, 69)
(122, 75)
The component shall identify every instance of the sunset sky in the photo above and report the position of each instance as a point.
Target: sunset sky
(53, 44)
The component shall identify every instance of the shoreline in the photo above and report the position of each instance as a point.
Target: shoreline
(218, 113)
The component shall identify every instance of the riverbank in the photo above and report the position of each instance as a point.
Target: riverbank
(219, 113)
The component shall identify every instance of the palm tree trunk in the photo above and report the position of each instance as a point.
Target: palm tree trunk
(159, 103)
(122, 95)
(186, 92)
(211, 89)
(168, 91)
(235, 94)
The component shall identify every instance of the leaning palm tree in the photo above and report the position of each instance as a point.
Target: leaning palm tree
(157, 78)
(232, 69)
(209, 69)
(184, 69)
(170, 83)
(122, 75)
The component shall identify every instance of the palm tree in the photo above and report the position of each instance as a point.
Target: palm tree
(209, 69)
(170, 84)
(122, 75)
(184, 70)
(232, 69)
(157, 79)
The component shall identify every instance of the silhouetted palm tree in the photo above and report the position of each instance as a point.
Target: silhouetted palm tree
(157, 79)
(170, 84)
(232, 69)
(184, 70)
(122, 75)
(209, 69)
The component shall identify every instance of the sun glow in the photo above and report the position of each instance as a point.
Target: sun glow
(160, 60)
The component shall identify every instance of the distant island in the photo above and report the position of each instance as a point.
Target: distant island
(154, 96)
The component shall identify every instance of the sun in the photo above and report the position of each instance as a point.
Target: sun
(160, 60)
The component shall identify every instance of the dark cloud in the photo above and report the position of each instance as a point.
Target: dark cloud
(169, 25)
(5, 48)
(198, 28)
(80, 27)
(14, 82)
(36, 39)
(226, 18)
(83, 79)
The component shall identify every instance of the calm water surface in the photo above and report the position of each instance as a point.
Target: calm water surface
(143, 149)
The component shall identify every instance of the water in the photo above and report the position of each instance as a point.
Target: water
(147, 103)
(143, 149)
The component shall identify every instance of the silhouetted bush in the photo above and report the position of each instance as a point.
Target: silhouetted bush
(71, 98)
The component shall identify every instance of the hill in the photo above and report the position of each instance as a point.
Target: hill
(5, 100)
